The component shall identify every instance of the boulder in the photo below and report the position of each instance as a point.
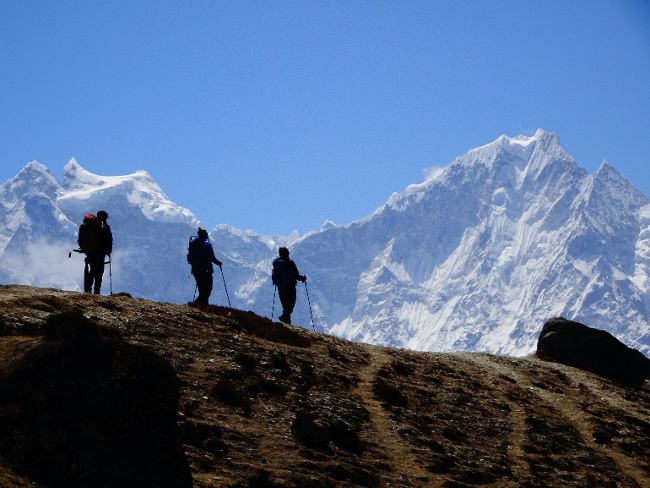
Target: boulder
(593, 350)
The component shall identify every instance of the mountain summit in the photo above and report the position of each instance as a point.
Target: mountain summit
(475, 258)
(140, 190)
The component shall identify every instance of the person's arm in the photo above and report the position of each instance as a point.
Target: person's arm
(109, 240)
(296, 274)
(213, 258)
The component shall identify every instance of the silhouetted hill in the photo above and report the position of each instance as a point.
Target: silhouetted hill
(261, 404)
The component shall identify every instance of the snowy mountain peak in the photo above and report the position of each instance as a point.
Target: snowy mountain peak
(34, 178)
(519, 159)
(37, 173)
(140, 189)
(507, 162)
(73, 173)
(35, 168)
(516, 151)
(606, 169)
(75, 177)
(608, 181)
(328, 224)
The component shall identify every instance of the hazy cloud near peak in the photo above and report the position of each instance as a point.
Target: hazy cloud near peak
(432, 172)
(50, 264)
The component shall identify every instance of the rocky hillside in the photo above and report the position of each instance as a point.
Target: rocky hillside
(114, 391)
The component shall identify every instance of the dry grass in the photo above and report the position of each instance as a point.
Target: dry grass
(268, 405)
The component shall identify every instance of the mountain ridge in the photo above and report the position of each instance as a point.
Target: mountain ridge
(507, 235)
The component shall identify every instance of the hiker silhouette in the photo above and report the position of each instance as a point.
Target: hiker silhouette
(201, 256)
(95, 240)
(285, 274)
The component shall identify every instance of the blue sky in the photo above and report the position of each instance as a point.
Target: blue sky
(278, 115)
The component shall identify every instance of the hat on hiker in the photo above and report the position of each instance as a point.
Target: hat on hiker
(102, 215)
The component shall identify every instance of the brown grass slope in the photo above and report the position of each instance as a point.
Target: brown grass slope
(262, 404)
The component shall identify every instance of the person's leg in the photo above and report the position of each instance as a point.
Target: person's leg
(283, 301)
(197, 278)
(288, 301)
(200, 284)
(204, 283)
(88, 277)
(98, 273)
(208, 287)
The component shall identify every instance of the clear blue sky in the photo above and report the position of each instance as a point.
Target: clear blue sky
(278, 115)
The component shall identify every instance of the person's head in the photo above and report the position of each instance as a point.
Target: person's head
(202, 233)
(283, 252)
(102, 215)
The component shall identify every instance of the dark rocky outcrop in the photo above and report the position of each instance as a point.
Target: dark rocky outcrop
(84, 408)
(594, 350)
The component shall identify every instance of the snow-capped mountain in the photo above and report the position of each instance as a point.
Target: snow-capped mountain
(475, 258)
(40, 218)
(505, 237)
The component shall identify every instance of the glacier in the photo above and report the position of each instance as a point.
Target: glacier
(475, 258)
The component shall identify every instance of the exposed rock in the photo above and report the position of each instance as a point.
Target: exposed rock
(594, 350)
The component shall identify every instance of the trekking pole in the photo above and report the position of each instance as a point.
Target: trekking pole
(309, 302)
(74, 250)
(86, 272)
(224, 286)
(110, 272)
(273, 308)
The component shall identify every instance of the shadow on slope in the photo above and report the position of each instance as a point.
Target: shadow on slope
(84, 408)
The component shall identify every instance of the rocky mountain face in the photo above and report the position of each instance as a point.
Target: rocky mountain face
(116, 391)
(473, 259)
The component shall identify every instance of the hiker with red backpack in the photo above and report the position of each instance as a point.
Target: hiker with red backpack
(284, 275)
(95, 240)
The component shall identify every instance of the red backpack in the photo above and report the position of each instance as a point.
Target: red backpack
(89, 234)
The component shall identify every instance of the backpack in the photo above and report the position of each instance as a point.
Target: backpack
(193, 251)
(197, 255)
(281, 274)
(89, 238)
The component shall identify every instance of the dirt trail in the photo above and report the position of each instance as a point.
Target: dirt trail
(399, 454)
(570, 407)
